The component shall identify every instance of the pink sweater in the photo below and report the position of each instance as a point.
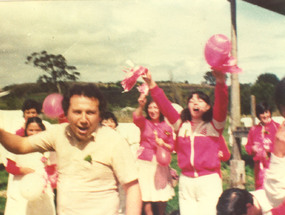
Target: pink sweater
(11, 166)
(147, 142)
(261, 137)
(197, 151)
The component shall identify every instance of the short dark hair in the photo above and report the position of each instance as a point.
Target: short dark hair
(207, 116)
(233, 201)
(261, 108)
(88, 90)
(150, 100)
(280, 94)
(36, 120)
(110, 115)
(30, 103)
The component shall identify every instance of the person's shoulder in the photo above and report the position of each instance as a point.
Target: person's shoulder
(109, 134)
(254, 127)
(105, 130)
(276, 123)
(20, 132)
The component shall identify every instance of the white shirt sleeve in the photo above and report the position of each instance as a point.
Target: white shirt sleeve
(274, 183)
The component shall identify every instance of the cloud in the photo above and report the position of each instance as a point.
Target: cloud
(167, 37)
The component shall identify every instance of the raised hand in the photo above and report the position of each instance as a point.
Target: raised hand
(279, 143)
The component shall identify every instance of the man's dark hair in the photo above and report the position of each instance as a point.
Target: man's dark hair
(207, 116)
(30, 103)
(261, 108)
(280, 94)
(233, 202)
(88, 90)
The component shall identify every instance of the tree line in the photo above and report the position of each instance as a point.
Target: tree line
(58, 76)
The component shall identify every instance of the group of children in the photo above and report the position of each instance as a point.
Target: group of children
(19, 166)
(198, 142)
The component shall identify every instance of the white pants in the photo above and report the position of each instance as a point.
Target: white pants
(199, 196)
(274, 184)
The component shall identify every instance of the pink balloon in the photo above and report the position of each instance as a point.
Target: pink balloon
(217, 50)
(163, 156)
(52, 105)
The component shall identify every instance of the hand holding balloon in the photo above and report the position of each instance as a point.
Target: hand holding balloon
(163, 156)
(217, 54)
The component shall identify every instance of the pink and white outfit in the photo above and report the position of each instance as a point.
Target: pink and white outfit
(272, 197)
(261, 137)
(200, 184)
(16, 203)
(154, 179)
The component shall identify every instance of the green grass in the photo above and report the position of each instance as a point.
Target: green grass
(173, 203)
(3, 186)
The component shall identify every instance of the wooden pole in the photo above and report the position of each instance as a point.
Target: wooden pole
(237, 165)
(252, 108)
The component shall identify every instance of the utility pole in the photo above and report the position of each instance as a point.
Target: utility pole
(237, 165)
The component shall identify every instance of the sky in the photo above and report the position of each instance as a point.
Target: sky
(102, 37)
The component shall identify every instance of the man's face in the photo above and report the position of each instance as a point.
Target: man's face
(30, 113)
(84, 116)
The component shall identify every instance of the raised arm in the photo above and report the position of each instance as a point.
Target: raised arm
(279, 143)
(221, 99)
(139, 111)
(162, 101)
(274, 183)
(224, 153)
(15, 143)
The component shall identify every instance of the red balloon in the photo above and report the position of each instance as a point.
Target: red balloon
(52, 105)
(163, 156)
(217, 50)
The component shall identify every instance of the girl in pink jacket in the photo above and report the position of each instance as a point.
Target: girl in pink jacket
(154, 178)
(199, 145)
(260, 142)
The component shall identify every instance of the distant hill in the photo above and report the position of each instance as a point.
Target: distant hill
(176, 92)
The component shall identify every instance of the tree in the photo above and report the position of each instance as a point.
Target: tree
(263, 92)
(209, 78)
(245, 90)
(264, 88)
(56, 68)
(268, 78)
